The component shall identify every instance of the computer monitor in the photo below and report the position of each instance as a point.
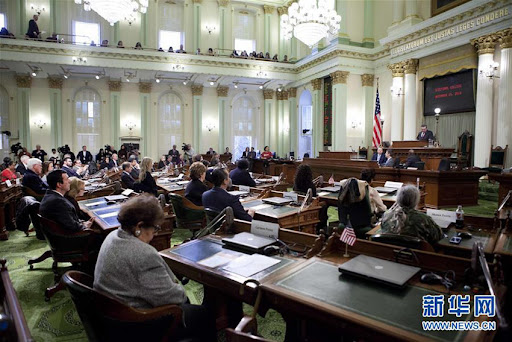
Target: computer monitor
(292, 154)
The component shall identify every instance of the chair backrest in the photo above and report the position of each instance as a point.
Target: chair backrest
(465, 149)
(420, 165)
(363, 152)
(403, 241)
(186, 212)
(29, 192)
(498, 156)
(444, 165)
(106, 318)
(210, 216)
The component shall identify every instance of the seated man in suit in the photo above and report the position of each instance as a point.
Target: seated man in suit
(379, 156)
(56, 207)
(196, 187)
(67, 166)
(390, 161)
(22, 165)
(126, 177)
(425, 134)
(32, 178)
(218, 198)
(135, 172)
(240, 175)
(412, 159)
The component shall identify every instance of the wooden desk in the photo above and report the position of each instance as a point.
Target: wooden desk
(331, 198)
(505, 180)
(430, 155)
(9, 197)
(276, 166)
(105, 218)
(336, 155)
(408, 144)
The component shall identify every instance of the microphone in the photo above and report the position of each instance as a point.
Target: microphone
(226, 216)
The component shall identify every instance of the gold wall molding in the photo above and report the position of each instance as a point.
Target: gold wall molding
(145, 87)
(397, 69)
(222, 91)
(197, 90)
(485, 44)
(411, 66)
(506, 38)
(317, 84)
(268, 94)
(282, 10)
(223, 3)
(114, 85)
(367, 80)
(23, 81)
(55, 82)
(339, 77)
(282, 95)
(292, 92)
(268, 9)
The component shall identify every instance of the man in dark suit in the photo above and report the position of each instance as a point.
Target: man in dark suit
(114, 161)
(84, 156)
(39, 153)
(379, 156)
(135, 172)
(56, 207)
(210, 151)
(240, 175)
(32, 178)
(425, 134)
(126, 177)
(33, 29)
(218, 198)
(67, 166)
(22, 165)
(412, 159)
(175, 155)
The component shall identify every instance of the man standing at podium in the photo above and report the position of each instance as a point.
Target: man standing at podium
(425, 134)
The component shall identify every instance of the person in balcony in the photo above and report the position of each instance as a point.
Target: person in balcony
(33, 30)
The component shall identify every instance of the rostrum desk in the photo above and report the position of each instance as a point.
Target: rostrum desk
(9, 197)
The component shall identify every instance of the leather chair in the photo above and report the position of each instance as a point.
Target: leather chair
(188, 215)
(210, 215)
(106, 318)
(65, 246)
(412, 242)
(29, 192)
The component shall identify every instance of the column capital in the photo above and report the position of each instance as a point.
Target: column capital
(55, 82)
(197, 1)
(145, 87)
(197, 90)
(268, 9)
(397, 69)
(222, 91)
(411, 66)
(223, 3)
(23, 81)
(292, 92)
(506, 38)
(114, 85)
(282, 10)
(485, 44)
(282, 95)
(316, 83)
(367, 80)
(268, 94)
(339, 77)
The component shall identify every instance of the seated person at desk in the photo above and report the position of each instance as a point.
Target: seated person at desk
(196, 187)
(218, 198)
(76, 189)
(240, 175)
(146, 182)
(126, 177)
(304, 180)
(145, 281)
(135, 172)
(266, 154)
(9, 172)
(105, 163)
(22, 165)
(390, 161)
(162, 163)
(379, 156)
(67, 166)
(403, 218)
(56, 207)
(354, 208)
(32, 178)
(375, 201)
(425, 134)
(412, 159)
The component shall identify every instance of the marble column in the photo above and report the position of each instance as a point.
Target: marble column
(282, 42)
(24, 82)
(223, 20)
(341, 9)
(143, 31)
(339, 110)
(368, 108)
(397, 101)
(197, 116)
(55, 87)
(196, 40)
(268, 96)
(368, 40)
(293, 115)
(398, 11)
(115, 111)
(267, 30)
(410, 125)
(484, 100)
(22, 22)
(146, 128)
(318, 118)
(222, 94)
(283, 146)
(504, 132)
(54, 17)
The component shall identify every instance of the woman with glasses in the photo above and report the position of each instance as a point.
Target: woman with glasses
(130, 269)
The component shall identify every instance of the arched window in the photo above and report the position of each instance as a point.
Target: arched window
(88, 119)
(170, 122)
(4, 122)
(244, 125)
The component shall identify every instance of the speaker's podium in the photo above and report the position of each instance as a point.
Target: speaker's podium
(430, 155)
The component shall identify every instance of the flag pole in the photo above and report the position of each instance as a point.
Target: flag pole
(346, 255)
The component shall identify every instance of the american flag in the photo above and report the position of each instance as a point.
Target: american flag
(377, 127)
(348, 236)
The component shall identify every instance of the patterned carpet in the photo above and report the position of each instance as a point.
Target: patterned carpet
(58, 320)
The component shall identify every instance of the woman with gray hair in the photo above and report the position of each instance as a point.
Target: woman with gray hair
(403, 218)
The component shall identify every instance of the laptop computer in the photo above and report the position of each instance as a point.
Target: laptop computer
(277, 200)
(379, 270)
(331, 188)
(385, 190)
(248, 242)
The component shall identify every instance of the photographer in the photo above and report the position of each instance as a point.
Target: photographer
(188, 153)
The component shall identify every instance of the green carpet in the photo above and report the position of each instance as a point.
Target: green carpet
(58, 320)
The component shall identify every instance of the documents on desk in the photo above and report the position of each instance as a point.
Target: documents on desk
(248, 265)
(443, 218)
(109, 214)
(93, 204)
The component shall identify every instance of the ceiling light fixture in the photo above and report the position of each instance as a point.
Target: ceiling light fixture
(97, 77)
(115, 10)
(34, 74)
(236, 85)
(184, 82)
(309, 21)
(261, 87)
(212, 83)
(157, 80)
(66, 76)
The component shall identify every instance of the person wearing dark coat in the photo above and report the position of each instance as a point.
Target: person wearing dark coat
(240, 175)
(84, 156)
(67, 166)
(218, 198)
(146, 182)
(175, 155)
(412, 159)
(31, 178)
(22, 165)
(126, 178)
(425, 134)
(39, 153)
(379, 156)
(196, 188)
(33, 29)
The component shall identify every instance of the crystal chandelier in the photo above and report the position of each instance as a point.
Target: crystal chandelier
(114, 10)
(309, 21)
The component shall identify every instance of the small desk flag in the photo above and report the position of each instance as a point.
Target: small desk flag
(348, 236)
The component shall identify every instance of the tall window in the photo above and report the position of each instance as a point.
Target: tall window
(244, 125)
(244, 31)
(170, 122)
(2, 20)
(85, 33)
(88, 119)
(4, 122)
(305, 124)
(170, 25)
